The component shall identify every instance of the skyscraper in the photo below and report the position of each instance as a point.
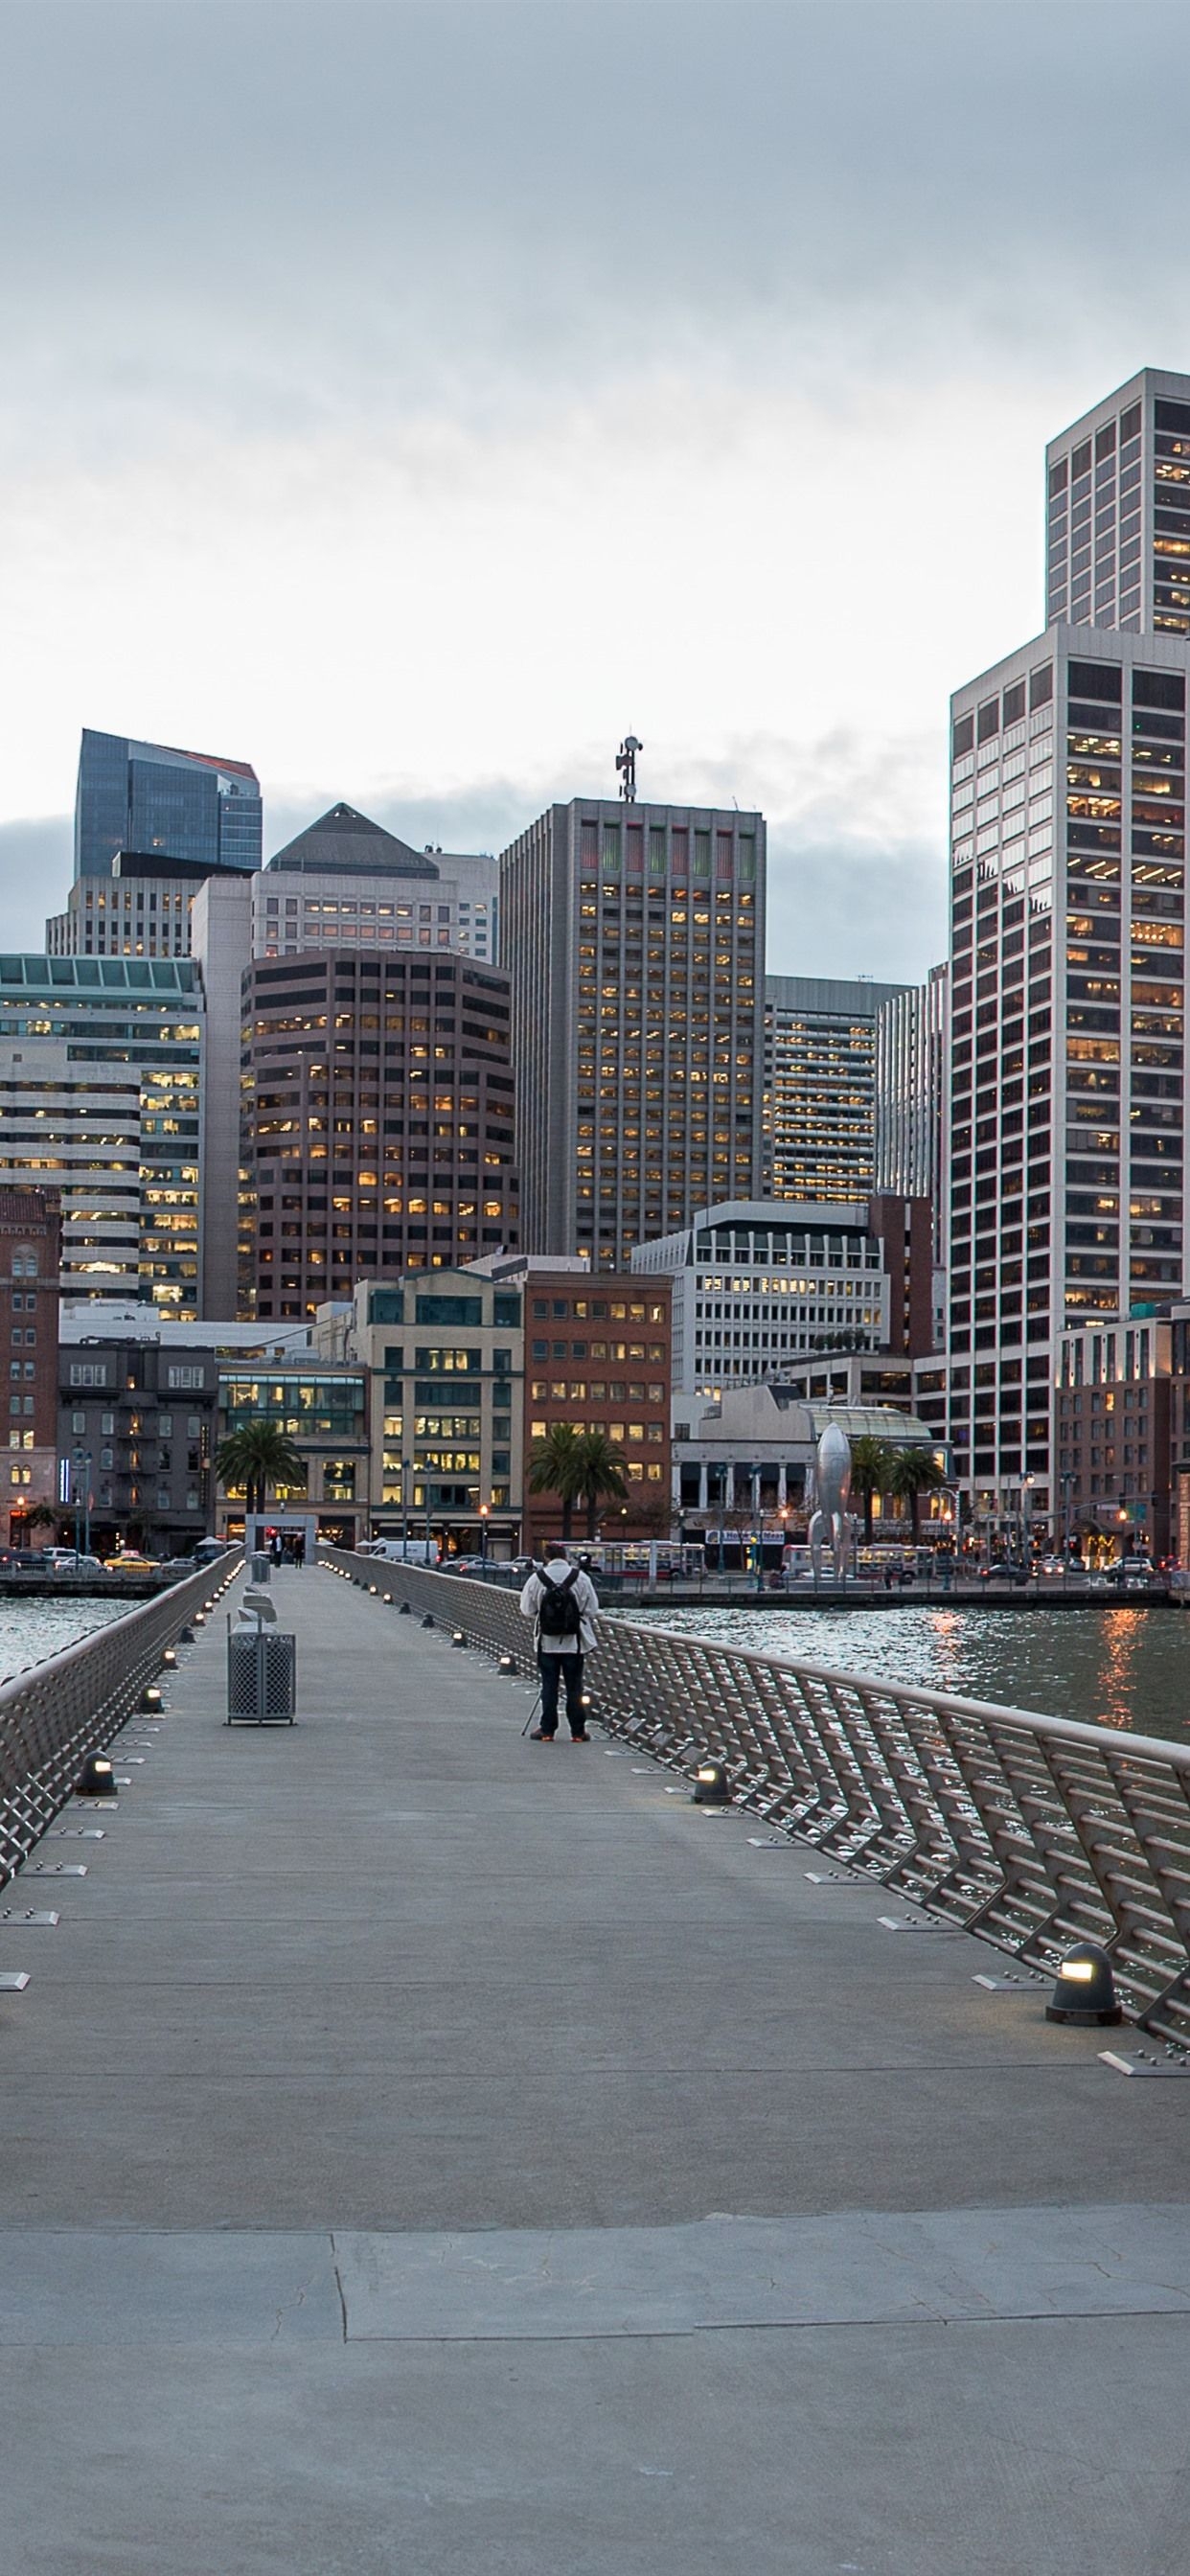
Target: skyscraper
(911, 1057)
(1118, 511)
(101, 1064)
(1067, 1116)
(820, 1082)
(145, 797)
(377, 1130)
(634, 939)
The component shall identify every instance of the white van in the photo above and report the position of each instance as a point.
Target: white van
(403, 1551)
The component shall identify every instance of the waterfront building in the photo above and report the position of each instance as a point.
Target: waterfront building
(101, 1065)
(1067, 1126)
(759, 1282)
(376, 1123)
(443, 1358)
(634, 938)
(137, 1431)
(30, 1263)
(147, 797)
(597, 1358)
(1112, 1435)
(1118, 511)
(820, 1084)
(744, 1460)
(323, 1409)
(912, 1059)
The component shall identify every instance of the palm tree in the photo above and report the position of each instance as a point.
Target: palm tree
(600, 1474)
(256, 1456)
(911, 1473)
(554, 1468)
(870, 1461)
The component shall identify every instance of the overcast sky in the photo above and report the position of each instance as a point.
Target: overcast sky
(412, 400)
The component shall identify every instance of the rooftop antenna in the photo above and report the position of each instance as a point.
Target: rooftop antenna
(626, 764)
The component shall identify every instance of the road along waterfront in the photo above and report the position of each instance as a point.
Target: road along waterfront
(1123, 1666)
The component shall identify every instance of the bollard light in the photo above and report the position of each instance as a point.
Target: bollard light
(507, 1664)
(373, 1587)
(200, 1618)
(712, 1788)
(150, 1698)
(403, 1610)
(97, 1778)
(457, 1637)
(187, 1637)
(428, 1621)
(169, 1660)
(1085, 1989)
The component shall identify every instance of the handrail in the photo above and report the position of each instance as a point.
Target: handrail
(58, 1711)
(1030, 1830)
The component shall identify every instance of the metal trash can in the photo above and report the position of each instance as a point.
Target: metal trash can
(261, 1565)
(261, 1677)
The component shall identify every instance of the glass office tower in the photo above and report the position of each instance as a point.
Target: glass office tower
(145, 797)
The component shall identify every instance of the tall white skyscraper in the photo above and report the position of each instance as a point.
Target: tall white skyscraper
(1118, 511)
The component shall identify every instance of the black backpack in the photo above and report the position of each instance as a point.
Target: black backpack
(558, 1614)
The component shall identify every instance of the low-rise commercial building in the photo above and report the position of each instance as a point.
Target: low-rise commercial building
(747, 1457)
(443, 1360)
(137, 1426)
(597, 1358)
(1112, 1427)
(323, 1410)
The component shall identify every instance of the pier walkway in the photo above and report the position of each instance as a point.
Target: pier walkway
(429, 2153)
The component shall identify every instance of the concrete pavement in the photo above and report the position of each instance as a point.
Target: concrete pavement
(426, 2150)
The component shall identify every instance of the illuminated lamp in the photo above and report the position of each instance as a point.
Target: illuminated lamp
(712, 1788)
(169, 1660)
(150, 1699)
(507, 1664)
(457, 1637)
(1085, 1989)
(97, 1778)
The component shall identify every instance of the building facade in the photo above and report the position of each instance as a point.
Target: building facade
(820, 1084)
(597, 1358)
(757, 1284)
(30, 1263)
(1118, 511)
(323, 1410)
(376, 1123)
(1112, 1438)
(140, 910)
(443, 1359)
(137, 1428)
(744, 1462)
(101, 1066)
(634, 937)
(911, 1094)
(1068, 927)
(178, 804)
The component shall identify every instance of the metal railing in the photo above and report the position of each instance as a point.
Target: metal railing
(72, 1704)
(1030, 1831)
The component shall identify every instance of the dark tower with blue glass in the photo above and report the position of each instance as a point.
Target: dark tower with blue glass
(145, 797)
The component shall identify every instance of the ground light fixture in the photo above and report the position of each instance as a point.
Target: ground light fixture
(507, 1664)
(150, 1698)
(403, 1610)
(97, 1778)
(169, 1660)
(712, 1788)
(428, 1621)
(186, 1638)
(1085, 1989)
(200, 1618)
(457, 1637)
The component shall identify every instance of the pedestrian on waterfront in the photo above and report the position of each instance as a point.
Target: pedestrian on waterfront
(563, 1604)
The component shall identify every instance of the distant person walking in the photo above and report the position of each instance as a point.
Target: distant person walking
(563, 1604)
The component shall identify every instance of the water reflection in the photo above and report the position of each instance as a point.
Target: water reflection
(1123, 1667)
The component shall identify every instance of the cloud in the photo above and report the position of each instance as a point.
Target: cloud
(36, 865)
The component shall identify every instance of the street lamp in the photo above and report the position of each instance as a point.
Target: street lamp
(483, 1533)
(406, 1473)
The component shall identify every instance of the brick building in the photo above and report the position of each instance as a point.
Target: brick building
(30, 1262)
(1112, 1435)
(597, 1356)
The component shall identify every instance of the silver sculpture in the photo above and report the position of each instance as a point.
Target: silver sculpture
(832, 1490)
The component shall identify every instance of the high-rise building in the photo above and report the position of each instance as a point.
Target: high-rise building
(30, 1262)
(1118, 511)
(377, 1122)
(1067, 1108)
(820, 1081)
(146, 797)
(141, 910)
(911, 1081)
(346, 882)
(101, 1064)
(634, 937)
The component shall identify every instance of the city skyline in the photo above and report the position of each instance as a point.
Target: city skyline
(786, 380)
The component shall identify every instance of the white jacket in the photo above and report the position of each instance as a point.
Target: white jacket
(586, 1597)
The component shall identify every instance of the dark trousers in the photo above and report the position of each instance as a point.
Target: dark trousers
(571, 1668)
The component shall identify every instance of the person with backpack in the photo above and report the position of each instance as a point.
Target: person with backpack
(563, 1603)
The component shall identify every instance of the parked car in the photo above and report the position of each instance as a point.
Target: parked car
(180, 1565)
(1004, 1570)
